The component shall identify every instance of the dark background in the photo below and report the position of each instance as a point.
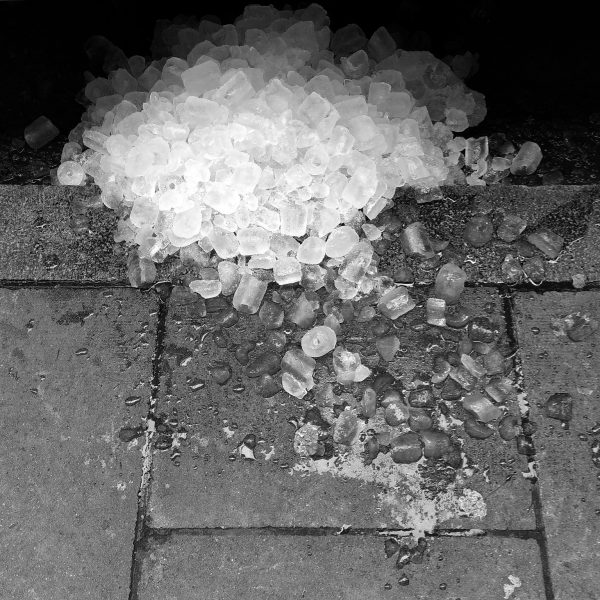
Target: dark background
(539, 63)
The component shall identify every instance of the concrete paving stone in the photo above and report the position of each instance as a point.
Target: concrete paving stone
(257, 566)
(568, 481)
(68, 485)
(38, 243)
(571, 211)
(210, 486)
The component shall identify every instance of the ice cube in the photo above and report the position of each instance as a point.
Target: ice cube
(221, 197)
(356, 65)
(456, 120)
(547, 241)
(476, 150)
(313, 277)
(141, 272)
(224, 242)
(449, 283)
(381, 44)
(340, 241)
(356, 262)
(287, 270)
(318, 341)
(360, 187)
(348, 367)
(297, 370)
(230, 276)
(207, 288)
(395, 302)
(314, 108)
(527, 159)
(253, 240)
(293, 219)
(348, 39)
(303, 311)
(249, 294)
(188, 224)
(201, 78)
(70, 173)
(311, 251)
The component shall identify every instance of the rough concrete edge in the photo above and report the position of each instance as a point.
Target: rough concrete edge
(500, 194)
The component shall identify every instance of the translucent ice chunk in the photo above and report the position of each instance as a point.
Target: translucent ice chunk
(311, 250)
(476, 150)
(224, 242)
(356, 262)
(348, 39)
(319, 341)
(140, 271)
(348, 367)
(303, 311)
(360, 187)
(395, 302)
(293, 219)
(381, 44)
(70, 173)
(206, 288)
(287, 270)
(297, 370)
(40, 132)
(527, 159)
(230, 276)
(220, 197)
(356, 65)
(201, 77)
(449, 283)
(253, 240)
(340, 241)
(249, 294)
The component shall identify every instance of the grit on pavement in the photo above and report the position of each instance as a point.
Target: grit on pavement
(94, 505)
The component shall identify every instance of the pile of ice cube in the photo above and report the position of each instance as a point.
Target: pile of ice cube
(259, 133)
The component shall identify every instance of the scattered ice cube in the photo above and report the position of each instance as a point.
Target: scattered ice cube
(527, 159)
(249, 294)
(40, 132)
(319, 341)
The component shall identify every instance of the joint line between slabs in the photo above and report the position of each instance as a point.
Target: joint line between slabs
(62, 283)
(542, 539)
(161, 532)
(141, 529)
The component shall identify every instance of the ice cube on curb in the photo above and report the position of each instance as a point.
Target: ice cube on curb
(249, 294)
(347, 366)
(40, 132)
(527, 159)
(396, 302)
(319, 341)
(297, 370)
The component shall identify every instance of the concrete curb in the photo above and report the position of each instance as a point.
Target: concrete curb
(37, 242)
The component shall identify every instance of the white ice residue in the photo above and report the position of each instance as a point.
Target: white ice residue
(509, 588)
(229, 432)
(401, 491)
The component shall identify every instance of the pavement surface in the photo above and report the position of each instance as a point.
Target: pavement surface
(120, 471)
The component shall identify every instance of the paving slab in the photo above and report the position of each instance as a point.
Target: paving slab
(38, 241)
(573, 212)
(68, 485)
(257, 566)
(568, 480)
(204, 482)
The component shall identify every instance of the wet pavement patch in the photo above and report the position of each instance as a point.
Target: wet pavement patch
(260, 566)
(69, 479)
(561, 378)
(206, 476)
